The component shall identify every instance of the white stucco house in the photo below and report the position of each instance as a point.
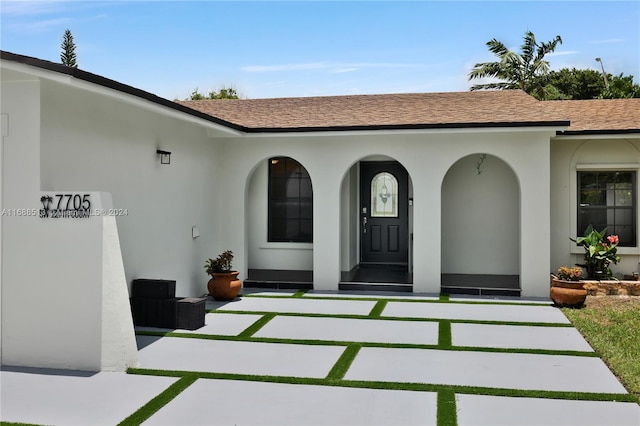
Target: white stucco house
(433, 192)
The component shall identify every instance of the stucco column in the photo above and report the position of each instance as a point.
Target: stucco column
(326, 233)
(535, 227)
(426, 234)
(231, 207)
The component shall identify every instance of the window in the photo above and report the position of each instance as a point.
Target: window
(290, 202)
(384, 195)
(608, 199)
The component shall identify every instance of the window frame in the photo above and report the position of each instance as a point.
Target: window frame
(633, 243)
(272, 235)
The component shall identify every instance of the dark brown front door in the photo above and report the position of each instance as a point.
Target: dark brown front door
(384, 219)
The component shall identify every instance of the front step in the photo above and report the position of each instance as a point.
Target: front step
(358, 286)
(481, 291)
(278, 285)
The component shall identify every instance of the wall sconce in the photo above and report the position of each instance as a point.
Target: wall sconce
(165, 156)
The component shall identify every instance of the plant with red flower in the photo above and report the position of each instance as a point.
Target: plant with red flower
(598, 254)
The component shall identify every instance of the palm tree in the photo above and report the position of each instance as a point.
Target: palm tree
(517, 70)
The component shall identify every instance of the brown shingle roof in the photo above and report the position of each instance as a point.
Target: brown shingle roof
(599, 115)
(418, 110)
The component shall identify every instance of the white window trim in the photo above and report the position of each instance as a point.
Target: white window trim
(286, 246)
(574, 199)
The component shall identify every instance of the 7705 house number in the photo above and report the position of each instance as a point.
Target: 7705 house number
(73, 206)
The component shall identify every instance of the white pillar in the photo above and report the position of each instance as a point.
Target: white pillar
(535, 227)
(326, 233)
(426, 236)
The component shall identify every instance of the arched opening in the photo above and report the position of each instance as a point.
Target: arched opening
(376, 226)
(279, 225)
(480, 240)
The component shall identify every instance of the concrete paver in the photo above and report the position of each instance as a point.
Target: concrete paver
(59, 397)
(477, 312)
(223, 324)
(300, 306)
(500, 299)
(369, 294)
(505, 411)
(108, 398)
(258, 403)
(351, 330)
(518, 336)
(485, 369)
(272, 359)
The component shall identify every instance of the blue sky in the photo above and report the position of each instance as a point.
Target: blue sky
(306, 48)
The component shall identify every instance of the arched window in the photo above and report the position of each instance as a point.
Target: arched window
(290, 202)
(384, 195)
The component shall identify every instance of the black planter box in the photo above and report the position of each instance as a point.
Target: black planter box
(191, 312)
(160, 313)
(153, 289)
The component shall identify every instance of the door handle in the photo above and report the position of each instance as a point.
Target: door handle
(364, 224)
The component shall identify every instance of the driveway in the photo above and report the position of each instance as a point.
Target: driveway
(295, 358)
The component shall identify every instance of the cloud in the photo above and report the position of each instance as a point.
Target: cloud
(22, 8)
(42, 25)
(39, 16)
(563, 53)
(607, 41)
(343, 70)
(334, 67)
(284, 67)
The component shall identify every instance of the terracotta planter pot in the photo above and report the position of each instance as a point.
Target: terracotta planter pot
(224, 285)
(568, 293)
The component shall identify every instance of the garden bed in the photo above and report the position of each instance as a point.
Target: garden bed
(612, 288)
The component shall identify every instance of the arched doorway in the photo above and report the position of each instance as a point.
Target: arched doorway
(376, 226)
(480, 240)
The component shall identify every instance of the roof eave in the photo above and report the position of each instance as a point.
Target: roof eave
(597, 132)
(424, 126)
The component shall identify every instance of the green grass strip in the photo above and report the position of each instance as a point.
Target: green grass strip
(253, 328)
(160, 401)
(443, 344)
(443, 298)
(344, 362)
(17, 424)
(447, 414)
(359, 316)
(300, 293)
(444, 334)
(377, 309)
(418, 387)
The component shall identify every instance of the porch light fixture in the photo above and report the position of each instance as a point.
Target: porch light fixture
(604, 74)
(165, 156)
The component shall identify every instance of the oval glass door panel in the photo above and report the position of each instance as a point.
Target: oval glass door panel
(384, 195)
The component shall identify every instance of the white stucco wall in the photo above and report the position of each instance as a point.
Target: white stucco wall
(349, 220)
(480, 218)
(427, 156)
(64, 298)
(568, 154)
(99, 143)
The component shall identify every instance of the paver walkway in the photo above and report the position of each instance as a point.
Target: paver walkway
(306, 359)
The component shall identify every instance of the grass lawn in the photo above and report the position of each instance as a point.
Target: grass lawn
(611, 325)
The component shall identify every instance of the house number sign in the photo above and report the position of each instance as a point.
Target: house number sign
(75, 206)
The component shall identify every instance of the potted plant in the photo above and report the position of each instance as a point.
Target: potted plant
(224, 283)
(567, 287)
(599, 252)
